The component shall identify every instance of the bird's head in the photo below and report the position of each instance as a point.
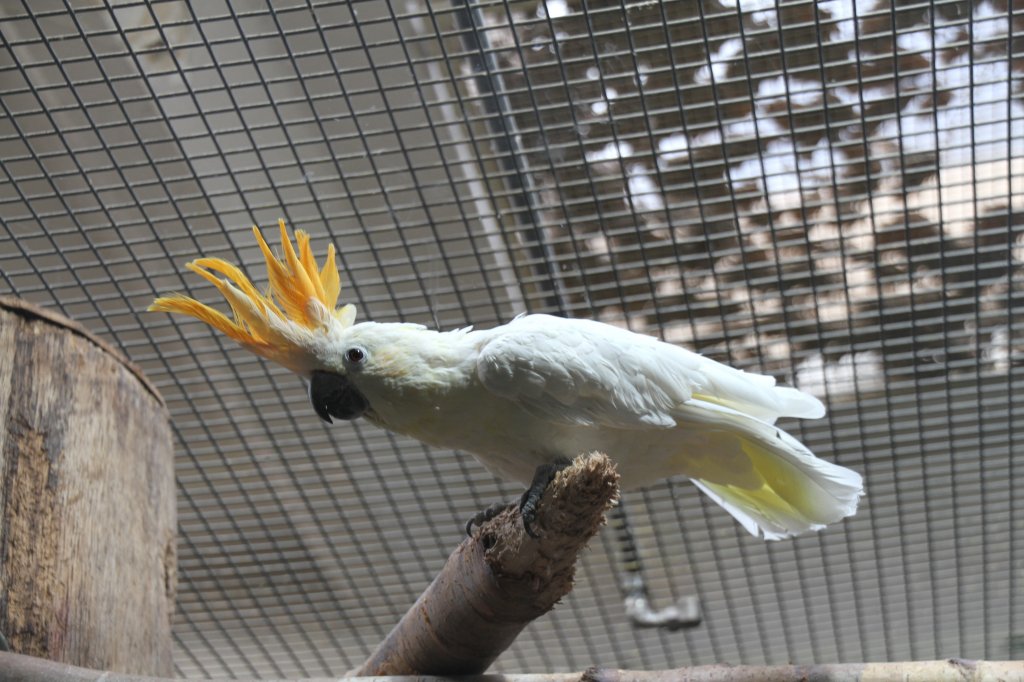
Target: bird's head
(297, 323)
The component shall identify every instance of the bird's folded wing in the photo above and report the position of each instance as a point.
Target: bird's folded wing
(588, 373)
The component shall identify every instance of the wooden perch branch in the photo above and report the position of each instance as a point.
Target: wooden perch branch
(950, 670)
(18, 668)
(499, 580)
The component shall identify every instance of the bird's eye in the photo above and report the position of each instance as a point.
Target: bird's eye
(355, 355)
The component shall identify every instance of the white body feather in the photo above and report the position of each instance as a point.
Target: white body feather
(542, 388)
(535, 390)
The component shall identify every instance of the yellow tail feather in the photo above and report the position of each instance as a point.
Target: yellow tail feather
(786, 490)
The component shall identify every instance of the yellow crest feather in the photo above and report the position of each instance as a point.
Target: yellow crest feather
(300, 294)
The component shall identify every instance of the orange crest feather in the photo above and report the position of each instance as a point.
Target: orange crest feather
(300, 294)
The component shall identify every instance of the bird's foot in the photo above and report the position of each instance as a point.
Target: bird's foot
(527, 504)
(542, 477)
(485, 515)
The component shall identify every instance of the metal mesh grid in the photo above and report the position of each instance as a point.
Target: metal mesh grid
(825, 191)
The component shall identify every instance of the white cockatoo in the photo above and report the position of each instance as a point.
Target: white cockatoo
(538, 390)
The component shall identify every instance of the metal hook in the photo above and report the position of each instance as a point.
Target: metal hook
(684, 614)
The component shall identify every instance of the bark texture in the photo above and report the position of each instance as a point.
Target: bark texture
(499, 580)
(24, 669)
(87, 499)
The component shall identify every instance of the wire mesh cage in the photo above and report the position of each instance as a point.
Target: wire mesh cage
(822, 191)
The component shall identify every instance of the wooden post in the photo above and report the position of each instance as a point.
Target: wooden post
(87, 499)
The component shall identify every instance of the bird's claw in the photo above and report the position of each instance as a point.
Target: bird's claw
(485, 515)
(528, 503)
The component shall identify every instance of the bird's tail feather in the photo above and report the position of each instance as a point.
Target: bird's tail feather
(790, 490)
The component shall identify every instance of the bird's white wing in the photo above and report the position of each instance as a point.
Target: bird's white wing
(584, 372)
(569, 371)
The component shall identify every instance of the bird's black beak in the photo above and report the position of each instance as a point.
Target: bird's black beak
(332, 395)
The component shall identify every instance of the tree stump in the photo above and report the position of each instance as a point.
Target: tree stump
(87, 499)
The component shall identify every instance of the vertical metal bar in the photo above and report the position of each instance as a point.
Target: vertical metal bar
(502, 123)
